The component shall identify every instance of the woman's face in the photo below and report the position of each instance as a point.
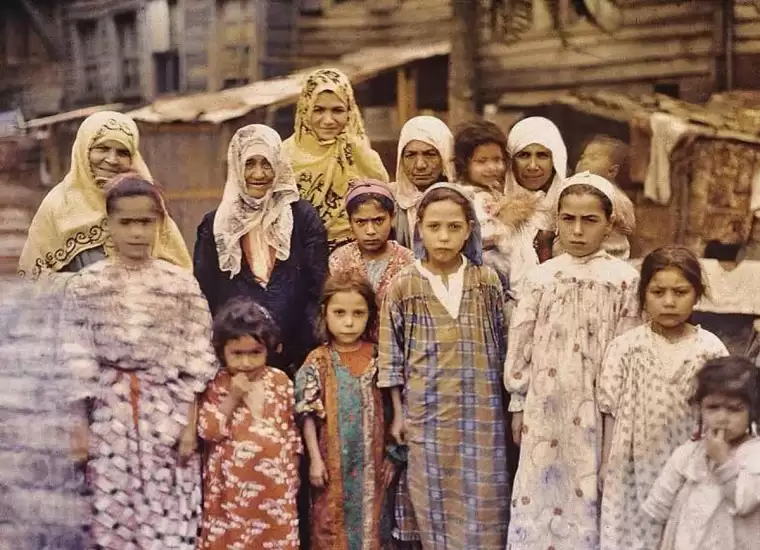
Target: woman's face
(132, 225)
(329, 116)
(487, 167)
(259, 176)
(533, 167)
(108, 159)
(422, 164)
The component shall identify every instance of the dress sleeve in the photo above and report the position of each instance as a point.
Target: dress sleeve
(629, 307)
(498, 306)
(612, 378)
(520, 350)
(32, 264)
(740, 483)
(76, 343)
(662, 496)
(309, 392)
(294, 435)
(391, 352)
(212, 424)
(205, 261)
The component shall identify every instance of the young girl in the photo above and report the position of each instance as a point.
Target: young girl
(709, 491)
(442, 347)
(572, 306)
(643, 393)
(247, 418)
(343, 426)
(372, 256)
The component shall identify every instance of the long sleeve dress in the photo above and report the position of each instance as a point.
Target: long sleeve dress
(708, 508)
(645, 385)
(251, 475)
(142, 352)
(570, 310)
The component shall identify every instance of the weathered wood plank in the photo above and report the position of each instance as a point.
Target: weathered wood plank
(658, 14)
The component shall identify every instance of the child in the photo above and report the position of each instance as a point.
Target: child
(572, 306)
(372, 256)
(643, 393)
(442, 346)
(246, 417)
(709, 491)
(343, 426)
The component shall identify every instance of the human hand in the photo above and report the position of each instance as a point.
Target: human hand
(517, 427)
(188, 444)
(240, 386)
(389, 472)
(318, 473)
(717, 449)
(398, 430)
(80, 442)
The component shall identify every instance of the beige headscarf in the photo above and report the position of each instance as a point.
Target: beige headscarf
(267, 221)
(324, 169)
(434, 132)
(71, 218)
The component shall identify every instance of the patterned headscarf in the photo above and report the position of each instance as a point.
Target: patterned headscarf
(268, 220)
(324, 169)
(473, 248)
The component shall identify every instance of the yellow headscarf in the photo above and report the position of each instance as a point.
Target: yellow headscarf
(324, 169)
(71, 218)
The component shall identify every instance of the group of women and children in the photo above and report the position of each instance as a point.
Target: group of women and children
(362, 362)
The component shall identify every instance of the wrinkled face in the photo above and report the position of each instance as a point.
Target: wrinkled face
(109, 159)
(582, 224)
(533, 167)
(329, 116)
(422, 164)
(444, 229)
(371, 225)
(245, 354)
(259, 176)
(346, 316)
(669, 298)
(724, 413)
(597, 159)
(487, 167)
(133, 225)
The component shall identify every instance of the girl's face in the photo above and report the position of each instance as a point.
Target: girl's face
(422, 164)
(582, 224)
(132, 225)
(371, 225)
(533, 167)
(669, 298)
(109, 159)
(329, 116)
(245, 354)
(259, 176)
(729, 414)
(346, 316)
(487, 167)
(444, 229)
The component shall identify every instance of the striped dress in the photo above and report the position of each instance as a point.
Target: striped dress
(450, 371)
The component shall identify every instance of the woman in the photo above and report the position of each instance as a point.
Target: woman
(69, 231)
(425, 155)
(264, 242)
(138, 337)
(329, 148)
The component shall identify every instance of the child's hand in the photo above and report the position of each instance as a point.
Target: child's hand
(717, 448)
(398, 430)
(318, 473)
(389, 472)
(240, 386)
(188, 444)
(80, 442)
(517, 427)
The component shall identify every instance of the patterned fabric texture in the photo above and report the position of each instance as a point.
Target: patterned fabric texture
(142, 352)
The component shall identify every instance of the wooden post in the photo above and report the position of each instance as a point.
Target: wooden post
(462, 62)
(406, 93)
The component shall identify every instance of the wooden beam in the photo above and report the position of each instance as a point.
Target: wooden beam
(52, 43)
(406, 93)
(463, 62)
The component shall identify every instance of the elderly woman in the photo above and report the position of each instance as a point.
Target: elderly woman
(69, 230)
(329, 148)
(425, 155)
(265, 242)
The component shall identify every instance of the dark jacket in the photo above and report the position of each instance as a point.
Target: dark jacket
(295, 286)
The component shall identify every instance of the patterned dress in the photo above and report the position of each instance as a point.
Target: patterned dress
(349, 259)
(645, 384)
(338, 388)
(251, 475)
(450, 370)
(143, 351)
(570, 310)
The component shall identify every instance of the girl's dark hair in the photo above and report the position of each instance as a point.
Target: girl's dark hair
(445, 194)
(471, 135)
(579, 189)
(133, 185)
(384, 202)
(244, 317)
(678, 257)
(348, 282)
(731, 376)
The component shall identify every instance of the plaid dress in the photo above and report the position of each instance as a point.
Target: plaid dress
(451, 373)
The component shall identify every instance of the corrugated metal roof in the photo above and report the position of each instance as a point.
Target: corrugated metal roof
(72, 115)
(218, 107)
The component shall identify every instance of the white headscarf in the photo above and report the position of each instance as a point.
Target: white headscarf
(269, 220)
(434, 132)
